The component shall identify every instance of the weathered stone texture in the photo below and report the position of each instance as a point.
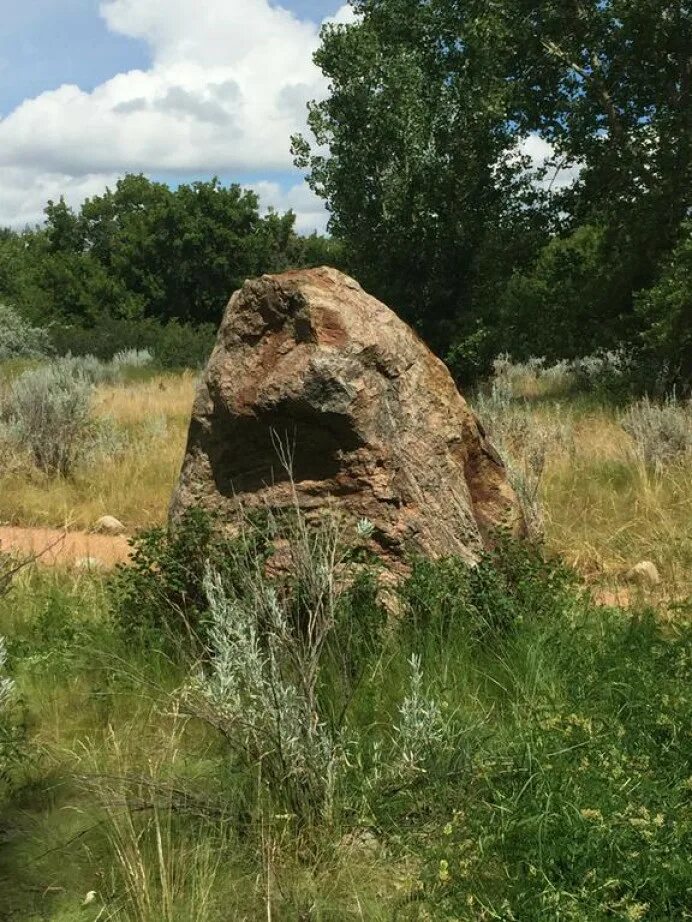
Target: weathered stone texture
(373, 419)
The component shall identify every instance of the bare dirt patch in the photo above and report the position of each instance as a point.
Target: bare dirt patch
(58, 547)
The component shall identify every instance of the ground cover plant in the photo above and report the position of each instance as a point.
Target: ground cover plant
(188, 738)
(500, 747)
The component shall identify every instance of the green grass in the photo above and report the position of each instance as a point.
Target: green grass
(561, 789)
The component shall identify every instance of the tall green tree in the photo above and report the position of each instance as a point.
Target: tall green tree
(421, 174)
(417, 157)
(145, 251)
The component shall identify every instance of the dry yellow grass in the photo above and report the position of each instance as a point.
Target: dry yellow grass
(604, 510)
(135, 485)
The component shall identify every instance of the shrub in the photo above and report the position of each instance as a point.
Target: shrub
(18, 339)
(609, 374)
(89, 368)
(511, 584)
(288, 655)
(172, 345)
(661, 432)
(132, 358)
(162, 588)
(48, 414)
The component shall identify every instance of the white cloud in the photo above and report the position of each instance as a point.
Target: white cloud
(226, 88)
(345, 15)
(25, 192)
(309, 209)
(541, 152)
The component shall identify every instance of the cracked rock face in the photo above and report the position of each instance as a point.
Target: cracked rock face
(373, 422)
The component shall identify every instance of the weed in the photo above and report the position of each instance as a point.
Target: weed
(661, 432)
(18, 339)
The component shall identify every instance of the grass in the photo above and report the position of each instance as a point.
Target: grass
(134, 485)
(604, 510)
(550, 778)
(558, 792)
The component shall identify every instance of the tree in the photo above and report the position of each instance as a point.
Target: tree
(145, 251)
(428, 106)
(422, 172)
(175, 253)
(665, 310)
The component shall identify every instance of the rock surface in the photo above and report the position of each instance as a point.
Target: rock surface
(373, 419)
(108, 525)
(645, 573)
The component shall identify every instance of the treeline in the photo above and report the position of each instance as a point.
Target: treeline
(147, 266)
(433, 110)
(510, 177)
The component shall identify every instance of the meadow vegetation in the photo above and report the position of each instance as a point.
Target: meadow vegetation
(190, 739)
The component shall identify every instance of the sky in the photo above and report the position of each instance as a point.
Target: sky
(177, 89)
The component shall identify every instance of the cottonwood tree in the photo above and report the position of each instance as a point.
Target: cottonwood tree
(417, 147)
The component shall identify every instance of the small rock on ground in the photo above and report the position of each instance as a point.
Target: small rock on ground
(108, 525)
(645, 573)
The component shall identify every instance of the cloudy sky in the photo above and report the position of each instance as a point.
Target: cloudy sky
(177, 89)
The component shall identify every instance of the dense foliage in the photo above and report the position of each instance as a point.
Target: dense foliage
(502, 749)
(422, 159)
(509, 177)
(144, 265)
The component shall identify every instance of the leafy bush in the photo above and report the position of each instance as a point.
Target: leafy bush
(511, 584)
(162, 588)
(48, 414)
(172, 345)
(18, 339)
(132, 358)
(661, 432)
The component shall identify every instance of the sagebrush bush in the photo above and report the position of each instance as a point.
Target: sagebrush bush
(18, 339)
(661, 432)
(288, 653)
(6, 684)
(91, 369)
(608, 374)
(173, 345)
(132, 358)
(48, 413)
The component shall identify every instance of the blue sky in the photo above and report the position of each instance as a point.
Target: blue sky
(179, 89)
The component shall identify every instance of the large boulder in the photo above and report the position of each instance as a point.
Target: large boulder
(372, 420)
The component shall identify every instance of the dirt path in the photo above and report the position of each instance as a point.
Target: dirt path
(56, 547)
